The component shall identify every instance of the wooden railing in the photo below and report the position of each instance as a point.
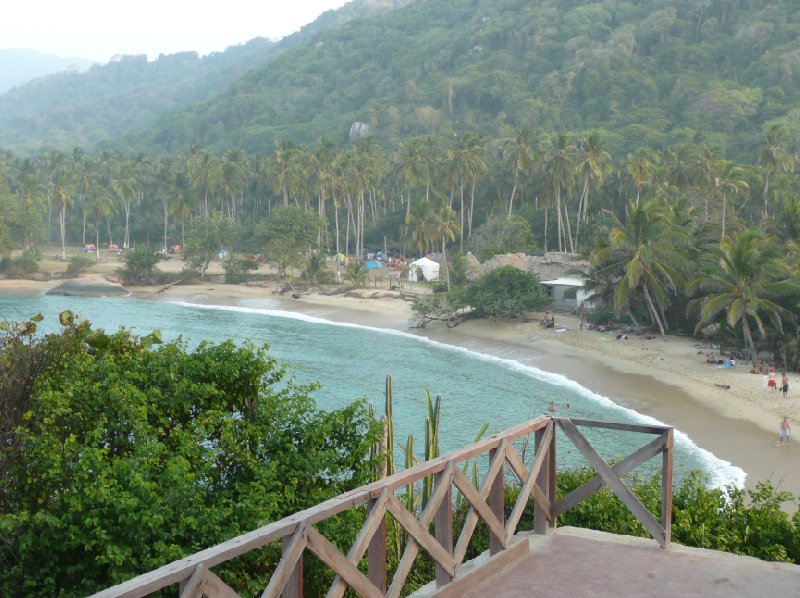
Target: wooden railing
(298, 533)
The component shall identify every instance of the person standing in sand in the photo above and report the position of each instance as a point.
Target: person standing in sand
(771, 379)
(785, 430)
(784, 384)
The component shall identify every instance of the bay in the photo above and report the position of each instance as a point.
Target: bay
(351, 362)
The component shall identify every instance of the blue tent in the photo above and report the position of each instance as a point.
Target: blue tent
(373, 264)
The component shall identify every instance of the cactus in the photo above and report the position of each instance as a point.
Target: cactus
(431, 441)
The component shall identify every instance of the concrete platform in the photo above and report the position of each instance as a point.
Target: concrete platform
(577, 562)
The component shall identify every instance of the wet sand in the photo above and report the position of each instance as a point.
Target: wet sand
(666, 379)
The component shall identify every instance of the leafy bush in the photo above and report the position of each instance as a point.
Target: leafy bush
(316, 271)
(749, 522)
(236, 269)
(505, 293)
(132, 453)
(78, 264)
(140, 263)
(357, 273)
(26, 263)
(205, 242)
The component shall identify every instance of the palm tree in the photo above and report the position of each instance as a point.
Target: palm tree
(646, 257)
(593, 165)
(639, 167)
(205, 175)
(559, 166)
(444, 227)
(100, 202)
(234, 173)
(518, 152)
(60, 193)
(411, 166)
(32, 206)
(124, 184)
(467, 164)
(729, 179)
(751, 275)
(773, 157)
(421, 223)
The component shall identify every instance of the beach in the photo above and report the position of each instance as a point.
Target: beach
(728, 411)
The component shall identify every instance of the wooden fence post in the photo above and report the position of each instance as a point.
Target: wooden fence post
(497, 500)
(443, 529)
(540, 522)
(666, 487)
(551, 482)
(376, 554)
(294, 587)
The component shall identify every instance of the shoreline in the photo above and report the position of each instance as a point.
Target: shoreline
(725, 411)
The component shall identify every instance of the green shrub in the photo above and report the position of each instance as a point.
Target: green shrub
(26, 263)
(357, 273)
(237, 269)
(140, 263)
(78, 264)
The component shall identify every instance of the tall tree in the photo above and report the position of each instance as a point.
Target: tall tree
(558, 163)
(750, 276)
(729, 180)
(593, 163)
(468, 165)
(639, 166)
(645, 255)
(205, 175)
(61, 193)
(445, 228)
(518, 154)
(411, 166)
(772, 158)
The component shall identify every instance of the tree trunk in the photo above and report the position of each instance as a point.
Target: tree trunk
(471, 209)
(444, 259)
(62, 223)
(652, 309)
(461, 239)
(748, 337)
(513, 191)
(97, 234)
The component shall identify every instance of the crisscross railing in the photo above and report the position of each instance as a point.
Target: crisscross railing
(298, 533)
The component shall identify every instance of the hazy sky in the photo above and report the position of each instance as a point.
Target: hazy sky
(98, 29)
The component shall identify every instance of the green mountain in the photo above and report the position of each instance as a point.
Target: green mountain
(649, 72)
(94, 109)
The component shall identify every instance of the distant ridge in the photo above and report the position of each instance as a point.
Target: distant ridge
(18, 66)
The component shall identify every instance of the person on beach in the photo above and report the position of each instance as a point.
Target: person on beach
(552, 406)
(785, 430)
(771, 379)
(784, 384)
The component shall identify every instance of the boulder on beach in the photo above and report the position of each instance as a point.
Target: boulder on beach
(88, 287)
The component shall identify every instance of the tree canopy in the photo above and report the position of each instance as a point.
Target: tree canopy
(122, 453)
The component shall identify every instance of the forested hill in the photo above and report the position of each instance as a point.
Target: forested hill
(651, 72)
(648, 72)
(95, 108)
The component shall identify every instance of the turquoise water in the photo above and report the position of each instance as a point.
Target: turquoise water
(352, 362)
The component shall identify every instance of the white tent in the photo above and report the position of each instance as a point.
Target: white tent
(430, 269)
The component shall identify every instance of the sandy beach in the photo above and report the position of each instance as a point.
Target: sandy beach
(728, 411)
